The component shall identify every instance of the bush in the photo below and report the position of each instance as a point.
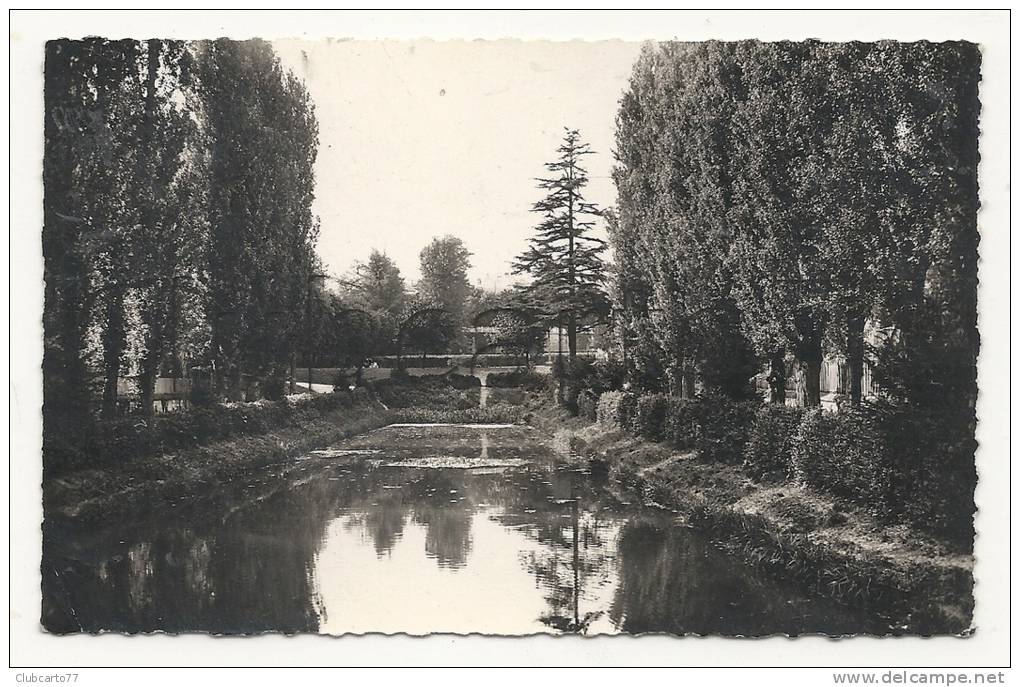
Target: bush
(932, 468)
(390, 361)
(845, 455)
(723, 428)
(201, 396)
(274, 388)
(605, 375)
(459, 381)
(425, 392)
(587, 404)
(650, 417)
(496, 413)
(769, 450)
(526, 379)
(616, 410)
(681, 424)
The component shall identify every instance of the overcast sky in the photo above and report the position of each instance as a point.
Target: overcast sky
(423, 138)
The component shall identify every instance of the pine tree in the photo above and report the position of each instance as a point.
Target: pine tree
(564, 259)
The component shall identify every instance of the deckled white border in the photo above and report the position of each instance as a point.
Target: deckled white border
(30, 646)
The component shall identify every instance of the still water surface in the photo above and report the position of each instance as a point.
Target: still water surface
(418, 529)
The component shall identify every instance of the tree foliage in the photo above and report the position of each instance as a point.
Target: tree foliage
(264, 139)
(564, 259)
(782, 196)
(178, 229)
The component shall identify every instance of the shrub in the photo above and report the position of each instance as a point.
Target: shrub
(650, 416)
(132, 437)
(723, 428)
(496, 413)
(201, 396)
(587, 404)
(425, 392)
(607, 410)
(932, 469)
(769, 450)
(845, 455)
(413, 361)
(274, 388)
(459, 381)
(605, 376)
(681, 424)
(616, 410)
(526, 379)
(628, 411)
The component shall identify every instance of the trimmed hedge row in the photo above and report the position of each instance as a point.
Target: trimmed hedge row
(845, 455)
(483, 360)
(496, 413)
(447, 392)
(527, 379)
(769, 451)
(896, 461)
(713, 425)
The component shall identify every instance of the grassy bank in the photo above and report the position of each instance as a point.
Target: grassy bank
(132, 465)
(834, 547)
(170, 477)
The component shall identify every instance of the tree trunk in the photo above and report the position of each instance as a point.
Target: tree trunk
(777, 377)
(150, 368)
(154, 339)
(855, 355)
(811, 375)
(572, 336)
(687, 380)
(293, 372)
(113, 346)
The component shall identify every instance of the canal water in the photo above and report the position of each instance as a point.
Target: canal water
(418, 529)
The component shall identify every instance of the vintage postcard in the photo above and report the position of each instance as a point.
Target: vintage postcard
(395, 335)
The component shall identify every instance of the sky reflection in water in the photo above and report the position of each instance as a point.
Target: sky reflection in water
(488, 532)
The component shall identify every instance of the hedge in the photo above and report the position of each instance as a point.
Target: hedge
(650, 418)
(894, 460)
(769, 450)
(496, 413)
(844, 454)
(526, 379)
(461, 359)
(617, 410)
(724, 426)
(436, 392)
(681, 422)
(932, 469)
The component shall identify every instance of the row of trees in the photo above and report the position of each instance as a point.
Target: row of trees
(374, 312)
(775, 199)
(177, 217)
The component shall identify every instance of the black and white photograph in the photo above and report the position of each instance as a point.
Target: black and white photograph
(370, 336)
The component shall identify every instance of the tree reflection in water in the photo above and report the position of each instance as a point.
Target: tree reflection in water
(576, 560)
(252, 576)
(574, 555)
(382, 519)
(671, 580)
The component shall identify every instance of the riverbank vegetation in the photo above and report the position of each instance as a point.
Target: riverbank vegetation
(131, 463)
(836, 547)
(785, 208)
(137, 467)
